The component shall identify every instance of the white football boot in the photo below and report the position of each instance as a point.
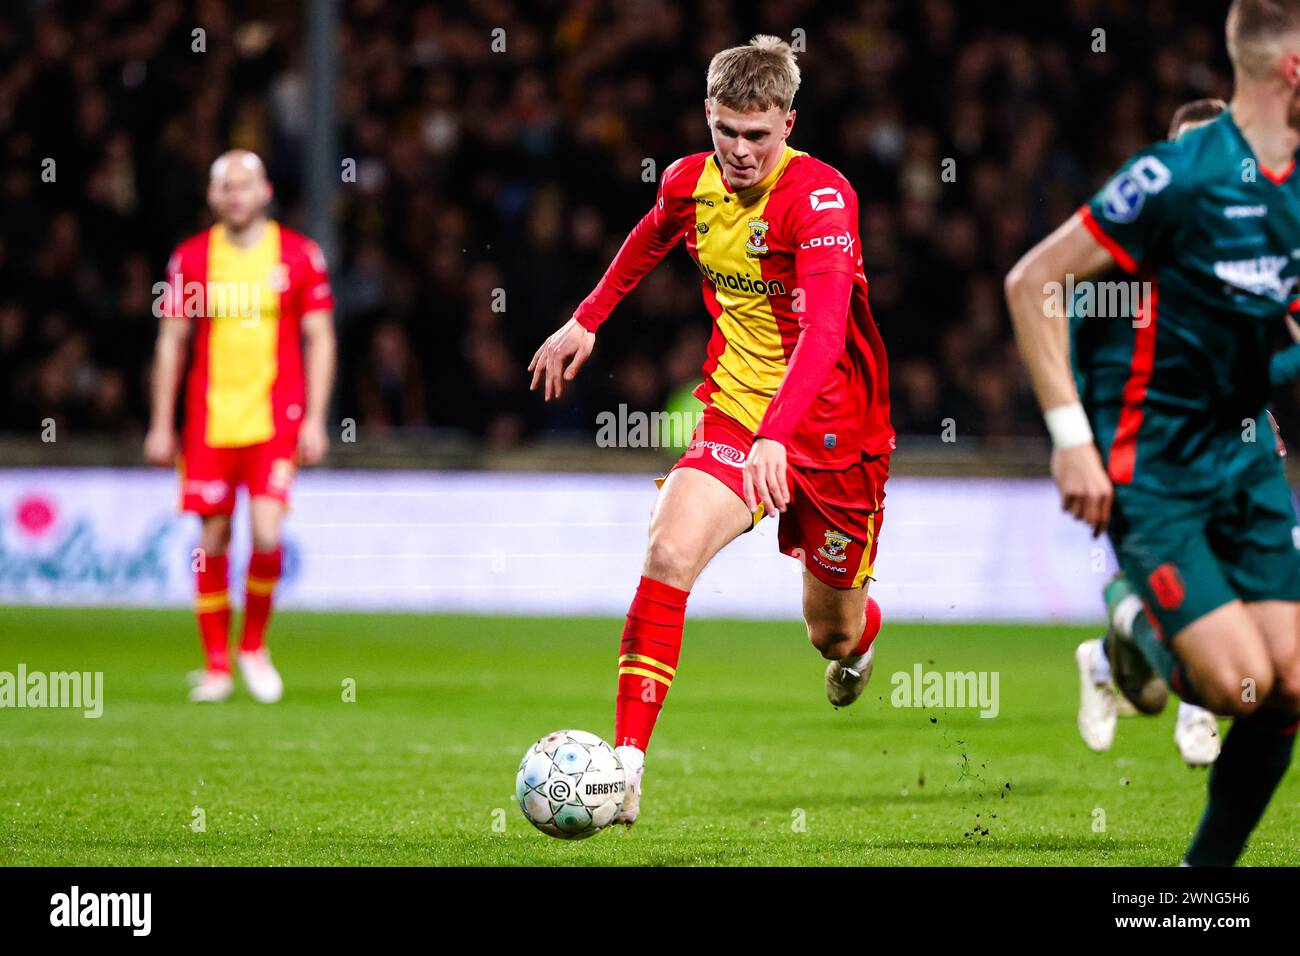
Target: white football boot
(260, 676)
(1197, 735)
(847, 679)
(633, 761)
(1098, 713)
(210, 687)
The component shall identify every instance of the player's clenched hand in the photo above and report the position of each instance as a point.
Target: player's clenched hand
(160, 446)
(765, 477)
(313, 442)
(569, 343)
(1086, 491)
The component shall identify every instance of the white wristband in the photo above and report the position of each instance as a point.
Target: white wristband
(1068, 425)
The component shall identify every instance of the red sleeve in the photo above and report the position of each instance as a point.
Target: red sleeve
(824, 227)
(172, 300)
(648, 242)
(822, 330)
(186, 267)
(316, 294)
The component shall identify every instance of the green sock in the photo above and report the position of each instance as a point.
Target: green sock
(1253, 761)
(1162, 660)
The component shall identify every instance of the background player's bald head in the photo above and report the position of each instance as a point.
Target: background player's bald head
(1259, 32)
(238, 190)
(237, 158)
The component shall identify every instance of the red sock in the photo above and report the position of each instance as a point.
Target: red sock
(870, 630)
(263, 573)
(652, 643)
(212, 608)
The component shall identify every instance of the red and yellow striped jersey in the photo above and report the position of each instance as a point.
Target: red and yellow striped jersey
(246, 381)
(755, 248)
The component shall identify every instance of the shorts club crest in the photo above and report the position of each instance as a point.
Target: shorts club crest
(834, 548)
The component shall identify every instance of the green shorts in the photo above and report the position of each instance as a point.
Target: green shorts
(1188, 556)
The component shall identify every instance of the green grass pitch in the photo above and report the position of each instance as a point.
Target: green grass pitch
(749, 764)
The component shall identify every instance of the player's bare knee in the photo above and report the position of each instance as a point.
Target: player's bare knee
(1233, 692)
(214, 539)
(667, 561)
(832, 640)
(266, 539)
(266, 520)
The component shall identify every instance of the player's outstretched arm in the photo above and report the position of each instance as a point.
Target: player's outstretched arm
(560, 358)
(319, 360)
(168, 360)
(1044, 343)
(648, 242)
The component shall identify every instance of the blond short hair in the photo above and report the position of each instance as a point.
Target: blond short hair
(1256, 31)
(755, 77)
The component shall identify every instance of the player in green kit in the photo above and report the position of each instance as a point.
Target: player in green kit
(1196, 732)
(1162, 439)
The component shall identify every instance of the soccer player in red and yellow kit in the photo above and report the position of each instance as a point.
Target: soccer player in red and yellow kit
(795, 385)
(252, 299)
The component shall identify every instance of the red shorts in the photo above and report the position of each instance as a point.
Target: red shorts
(833, 520)
(209, 476)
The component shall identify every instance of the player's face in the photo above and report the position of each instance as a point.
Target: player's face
(238, 194)
(748, 145)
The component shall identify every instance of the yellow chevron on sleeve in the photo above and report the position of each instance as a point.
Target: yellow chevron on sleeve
(642, 659)
(642, 672)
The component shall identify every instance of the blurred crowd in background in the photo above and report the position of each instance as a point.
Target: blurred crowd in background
(522, 171)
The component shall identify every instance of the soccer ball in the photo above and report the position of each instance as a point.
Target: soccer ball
(570, 784)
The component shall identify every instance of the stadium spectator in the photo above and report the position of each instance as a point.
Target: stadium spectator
(522, 171)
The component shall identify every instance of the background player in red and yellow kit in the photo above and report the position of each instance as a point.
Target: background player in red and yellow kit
(252, 299)
(795, 384)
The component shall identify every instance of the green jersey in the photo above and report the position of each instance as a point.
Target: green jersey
(1173, 367)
